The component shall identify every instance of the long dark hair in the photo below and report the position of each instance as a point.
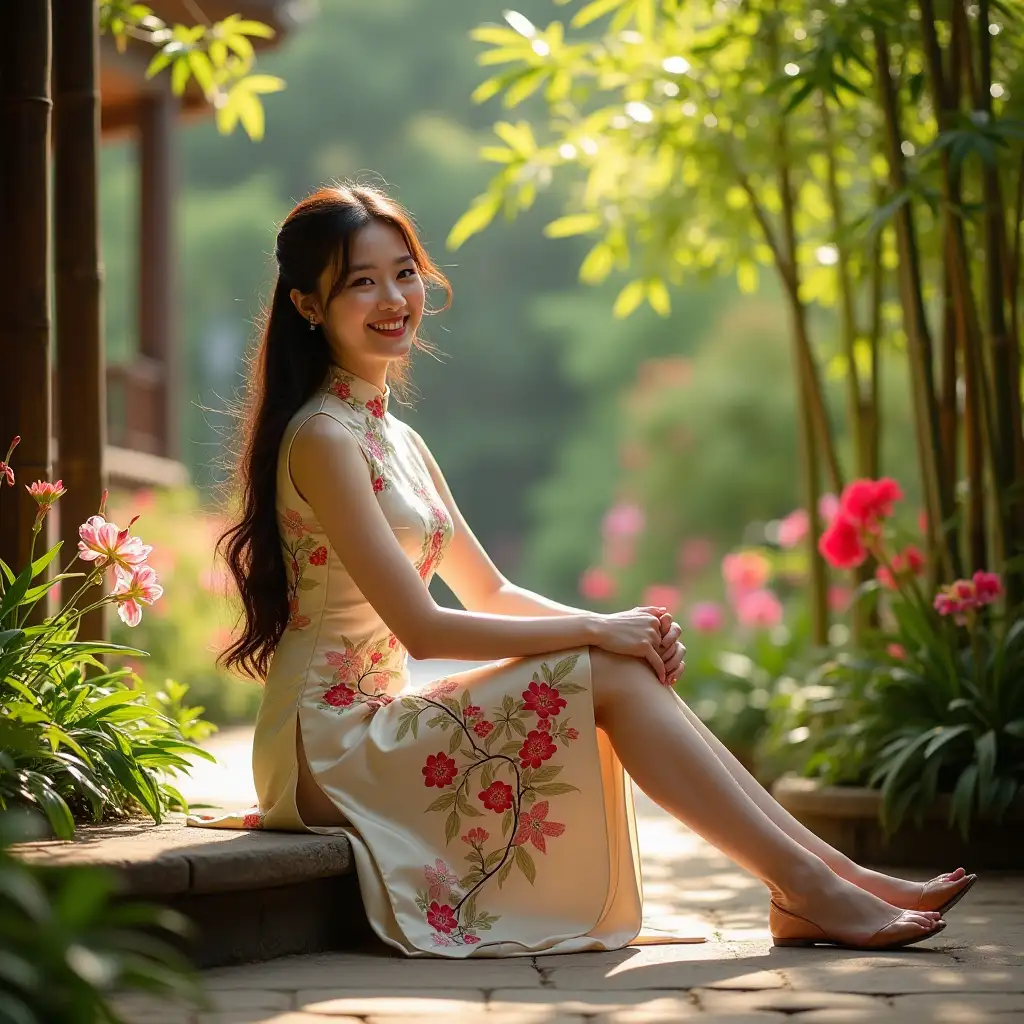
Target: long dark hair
(285, 369)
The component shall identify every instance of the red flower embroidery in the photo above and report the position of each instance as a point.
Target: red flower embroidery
(470, 939)
(483, 729)
(497, 797)
(543, 700)
(376, 406)
(380, 700)
(440, 689)
(572, 734)
(375, 657)
(340, 389)
(295, 620)
(442, 918)
(392, 641)
(533, 828)
(340, 696)
(318, 557)
(476, 836)
(378, 484)
(254, 820)
(544, 724)
(439, 770)
(536, 747)
(472, 711)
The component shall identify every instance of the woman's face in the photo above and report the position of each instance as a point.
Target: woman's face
(376, 314)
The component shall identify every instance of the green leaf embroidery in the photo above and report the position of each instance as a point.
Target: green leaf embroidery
(525, 864)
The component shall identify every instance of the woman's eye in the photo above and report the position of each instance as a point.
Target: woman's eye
(408, 270)
(359, 282)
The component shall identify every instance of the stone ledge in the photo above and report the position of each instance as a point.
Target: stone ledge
(172, 859)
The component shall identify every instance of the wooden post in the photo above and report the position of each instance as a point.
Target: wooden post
(81, 376)
(24, 266)
(157, 324)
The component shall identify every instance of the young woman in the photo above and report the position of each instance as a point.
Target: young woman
(488, 812)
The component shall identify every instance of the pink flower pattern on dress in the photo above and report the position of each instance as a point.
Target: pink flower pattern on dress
(374, 443)
(517, 740)
(362, 673)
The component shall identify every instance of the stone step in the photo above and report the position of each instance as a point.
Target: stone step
(251, 895)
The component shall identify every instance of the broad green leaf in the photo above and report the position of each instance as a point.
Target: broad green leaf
(474, 220)
(657, 296)
(575, 224)
(629, 299)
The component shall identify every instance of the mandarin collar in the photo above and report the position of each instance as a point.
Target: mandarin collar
(352, 389)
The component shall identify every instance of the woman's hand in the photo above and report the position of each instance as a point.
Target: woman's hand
(672, 651)
(636, 633)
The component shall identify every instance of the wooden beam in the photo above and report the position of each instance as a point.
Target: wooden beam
(81, 375)
(158, 339)
(25, 400)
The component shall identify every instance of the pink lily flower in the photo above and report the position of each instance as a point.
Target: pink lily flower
(103, 543)
(129, 591)
(46, 493)
(6, 473)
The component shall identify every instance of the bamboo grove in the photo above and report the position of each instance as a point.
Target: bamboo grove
(870, 152)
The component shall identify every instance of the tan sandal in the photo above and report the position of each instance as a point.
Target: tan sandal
(790, 929)
(953, 900)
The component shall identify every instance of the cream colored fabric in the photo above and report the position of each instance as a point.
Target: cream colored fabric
(488, 815)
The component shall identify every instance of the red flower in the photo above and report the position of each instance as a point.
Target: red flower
(572, 734)
(867, 502)
(987, 586)
(318, 557)
(376, 406)
(472, 711)
(483, 729)
(542, 699)
(470, 939)
(533, 828)
(254, 820)
(536, 747)
(476, 836)
(392, 641)
(841, 544)
(341, 389)
(497, 797)
(442, 918)
(378, 484)
(439, 770)
(544, 724)
(375, 657)
(885, 577)
(340, 696)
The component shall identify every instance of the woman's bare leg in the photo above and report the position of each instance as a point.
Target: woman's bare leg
(666, 756)
(897, 891)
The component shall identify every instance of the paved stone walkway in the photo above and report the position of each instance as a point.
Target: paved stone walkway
(973, 972)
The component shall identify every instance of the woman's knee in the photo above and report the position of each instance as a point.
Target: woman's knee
(616, 677)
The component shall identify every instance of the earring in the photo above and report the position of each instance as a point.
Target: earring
(312, 324)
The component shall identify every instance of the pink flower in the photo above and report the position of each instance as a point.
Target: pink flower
(695, 554)
(794, 528)
(572, 734)
(543, 700)
(46, 493)
(472, 711)
(293, 523)
(439, 770)
(440, 880)
(128, 592)
(497, 797)
(661, 595)
(623, 520)
(253, 820)
(319, 556)
(345, 662)
(103, 543)
(867, 502)
(476, 836)
(376, 407)
(442, 918)
(745, 570)
(483, 729)
(828, 507)
(5, 470)
(707, 617)
(841, 544)
(537, 747)
(897, 651)
(987, 587)
(533, 827)
(596, 585)
(440, 688)
(470, 939)
(839, 598)
(376, 657)
(378, 484)
(759, 609)
(341, 389)
(907, 562)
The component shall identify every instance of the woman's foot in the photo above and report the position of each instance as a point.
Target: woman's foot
(846, 914)
(939, 893)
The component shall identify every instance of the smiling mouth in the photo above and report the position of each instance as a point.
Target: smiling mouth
(390, 328)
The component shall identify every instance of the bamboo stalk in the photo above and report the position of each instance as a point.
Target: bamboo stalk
(915, 320)
(25, 399)
(81, 375)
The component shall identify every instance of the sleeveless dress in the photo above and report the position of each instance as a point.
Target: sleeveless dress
(487, 814)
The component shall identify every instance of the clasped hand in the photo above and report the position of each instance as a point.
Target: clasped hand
(648, 632)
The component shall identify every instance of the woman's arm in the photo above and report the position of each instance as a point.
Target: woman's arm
(329, 471)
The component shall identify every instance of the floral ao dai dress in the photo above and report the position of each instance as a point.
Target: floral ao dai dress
(487, 814)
